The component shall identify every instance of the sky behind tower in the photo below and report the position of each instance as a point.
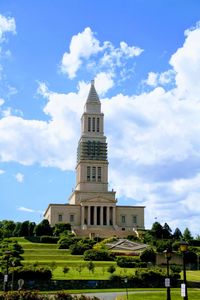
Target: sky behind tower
(145, 59)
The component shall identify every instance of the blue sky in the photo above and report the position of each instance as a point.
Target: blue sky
(145, 59)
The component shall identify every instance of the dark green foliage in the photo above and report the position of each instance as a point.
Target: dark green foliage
(6, 228)
(91, 266)
(128, 262)
(148, 255)
(10, 253)
(162, 245)
(66, 269)
(34, 273)
(48, 239)
(61, 228)
(187, 236)
(79, 247)
(98, 255)
(111, 269)
(43, 228)
(177, 235)
(66, 241)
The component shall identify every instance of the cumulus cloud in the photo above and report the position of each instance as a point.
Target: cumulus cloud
(19, 177)
(153, 137)
(84, 46)
(6, 25)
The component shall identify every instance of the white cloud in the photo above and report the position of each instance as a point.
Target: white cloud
(153, 137)
(26, 209)
(2, 171)
(19, 177)
(156, 79)
(6, 25)
(1, 101)
(82, 46)
(186, 64)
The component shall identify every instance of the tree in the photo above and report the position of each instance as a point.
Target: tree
(7, 227)
(177, 235)
(111, 269)
(157, 230)
(61, 228)
(187, 236)
(167, 232)
(148, 255)
(43, 228)
(91, 266)
(10, 253)
(66, 270)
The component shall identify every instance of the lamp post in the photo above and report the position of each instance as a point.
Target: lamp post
(168, 255)
(183, 249)
(7, 255)
(126, 281)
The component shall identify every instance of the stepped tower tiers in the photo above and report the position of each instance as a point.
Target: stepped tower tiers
(92, 209)
(92, 162)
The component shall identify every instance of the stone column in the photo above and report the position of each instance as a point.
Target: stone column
(101, 215)
(114, 216)
(108, 215)
(82, 215)
(95, 215)
(88, 216)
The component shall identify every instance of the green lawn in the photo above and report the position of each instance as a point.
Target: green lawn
(49, 254)
(159, 295)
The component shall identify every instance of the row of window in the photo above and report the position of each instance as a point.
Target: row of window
(93, 174)
(60, 218)
(93, 124)
(123, 219)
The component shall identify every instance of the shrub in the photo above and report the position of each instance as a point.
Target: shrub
(49, 239)
(98, 255)
(37, 273)
(148, 255)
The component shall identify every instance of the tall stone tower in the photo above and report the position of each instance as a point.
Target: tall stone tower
(92, 209)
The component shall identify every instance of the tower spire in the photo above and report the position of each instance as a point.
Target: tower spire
(93, 104)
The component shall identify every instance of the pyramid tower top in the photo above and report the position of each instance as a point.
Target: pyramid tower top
(93, 104)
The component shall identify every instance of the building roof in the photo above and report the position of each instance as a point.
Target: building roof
(92, 96)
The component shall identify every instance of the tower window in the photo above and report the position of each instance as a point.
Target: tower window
(88, 173)
(99, 174)
(93, 173)
(93, 124)
(97, 124)
(89, 124)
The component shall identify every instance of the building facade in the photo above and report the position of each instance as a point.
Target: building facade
(92, 209)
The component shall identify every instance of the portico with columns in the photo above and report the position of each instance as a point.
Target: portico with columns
(92, 207)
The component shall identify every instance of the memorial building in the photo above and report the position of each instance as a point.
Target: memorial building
(92, 209)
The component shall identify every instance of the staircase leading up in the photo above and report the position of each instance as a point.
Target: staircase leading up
(102, 232)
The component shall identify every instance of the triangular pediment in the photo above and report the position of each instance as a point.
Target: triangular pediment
(98, 200)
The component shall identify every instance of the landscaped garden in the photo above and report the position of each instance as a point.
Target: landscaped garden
(64, 261)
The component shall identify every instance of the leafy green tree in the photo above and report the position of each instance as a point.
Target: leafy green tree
(187, 236)
(43, 228)
(66, 269)
(177, 235)
(61, 228)
(10, 253)
(111, 269)
(91, 266)
(148, 255)
(7, 227)
(167, 232)
(157, 230)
